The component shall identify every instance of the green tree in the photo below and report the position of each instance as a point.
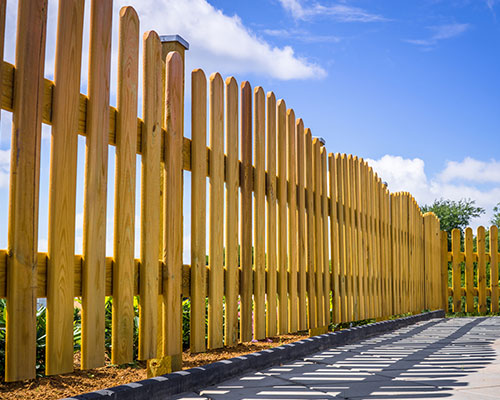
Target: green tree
(496, 215)
(454, 214)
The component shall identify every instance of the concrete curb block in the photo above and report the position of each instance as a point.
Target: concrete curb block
(189, 380)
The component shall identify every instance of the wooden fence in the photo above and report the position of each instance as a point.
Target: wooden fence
(297, 238)
(472, 270)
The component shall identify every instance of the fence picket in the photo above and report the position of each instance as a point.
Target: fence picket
(216, 218)
(334, 238)
(311, 273)
(292, 220)
(259, 325)
(246, 288)
(494, 267)
(481, 269)
(232, 189)
(150, 195)
(23, 192)
(62, 191)
(318, 228)
(456, 273)
(301, 226)
(96, 176)
(198, 210)
(272, 281)
(469, 271)
(324, 236)
(342, 237)
(282, 221)
(124, 223)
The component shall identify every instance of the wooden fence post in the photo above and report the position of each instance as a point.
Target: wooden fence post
(172, 225)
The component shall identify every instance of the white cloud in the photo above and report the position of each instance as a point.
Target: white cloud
(219, 42)
(339, 12)
(454, 182)
(441, 32)
(4, 168)
(472, 170)
(301, 36)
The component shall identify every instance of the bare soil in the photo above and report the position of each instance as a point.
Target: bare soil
(78, 382)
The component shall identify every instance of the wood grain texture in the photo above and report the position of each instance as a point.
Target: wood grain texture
(124, 223)
(3, 6)
(342, 236)
(198, 209)
(311, 272)
(282, 220)
(469, 271)
(62, 189)
(318, 229)
(172, 224)
(246, 289)
(481, 269)
(259, 140)
(444, 270)
(152, 108)
(95, 193)
(334, 238)
(456, 273)
(301, 226)
(291, 168)
(232, 186)
(271, 231)
(494, 267)
(20, 346)
(216, 219)
(324, 237)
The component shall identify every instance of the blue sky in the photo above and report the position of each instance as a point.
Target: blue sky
(411, 85)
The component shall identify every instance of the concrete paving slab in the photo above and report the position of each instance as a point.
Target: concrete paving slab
(447, 358)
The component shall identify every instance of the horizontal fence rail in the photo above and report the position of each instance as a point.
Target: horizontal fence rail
(298, 238)
(470, 265)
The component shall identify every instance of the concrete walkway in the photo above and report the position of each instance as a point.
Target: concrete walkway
(455, 358)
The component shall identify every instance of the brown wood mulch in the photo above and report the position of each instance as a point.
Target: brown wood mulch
(61, 386)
